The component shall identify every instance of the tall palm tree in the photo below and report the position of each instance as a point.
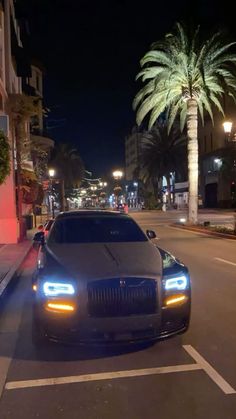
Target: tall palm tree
(162, 152)
(184, 75)
(69, 166)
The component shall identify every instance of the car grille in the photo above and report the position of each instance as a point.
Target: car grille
(122, 297)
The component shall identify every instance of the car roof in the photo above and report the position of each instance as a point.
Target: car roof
(79, 213)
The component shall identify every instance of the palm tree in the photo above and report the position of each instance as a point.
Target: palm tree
(69, 166)
(184, 76)
(162, 152)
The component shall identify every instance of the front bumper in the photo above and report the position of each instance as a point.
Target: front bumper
(73, 329)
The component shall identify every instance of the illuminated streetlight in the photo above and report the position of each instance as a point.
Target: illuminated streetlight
(51, 172)
(227, 127)
(103, 184)
(117, 174)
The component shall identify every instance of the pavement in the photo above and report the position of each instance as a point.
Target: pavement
(189, 376)
(11, 259)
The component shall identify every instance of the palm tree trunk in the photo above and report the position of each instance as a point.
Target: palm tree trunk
(192, 125)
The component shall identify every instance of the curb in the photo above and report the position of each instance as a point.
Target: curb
(207, 232)
(14, 269)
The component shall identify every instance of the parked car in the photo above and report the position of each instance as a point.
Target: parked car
(100, 278)
(120, 207)
(47, 226)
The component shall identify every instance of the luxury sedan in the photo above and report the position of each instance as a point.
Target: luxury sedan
(100, 278)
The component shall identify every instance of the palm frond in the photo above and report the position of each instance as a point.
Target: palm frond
(183, 67)
(159, 57)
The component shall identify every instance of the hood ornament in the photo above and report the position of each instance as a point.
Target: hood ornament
(122, 283)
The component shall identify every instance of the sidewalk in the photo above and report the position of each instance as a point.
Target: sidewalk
(11, 258)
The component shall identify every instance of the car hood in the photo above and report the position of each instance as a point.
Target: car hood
(108, 260)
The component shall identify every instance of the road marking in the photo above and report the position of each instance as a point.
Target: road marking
(211, 372)
(225, 261)
(152, 224)
(101, 376)
(189, 231)
(200, 365)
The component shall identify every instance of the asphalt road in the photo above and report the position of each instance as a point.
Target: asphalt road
(201, 380)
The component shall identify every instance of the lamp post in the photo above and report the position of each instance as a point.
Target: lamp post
(103, 185)
(117, 175)
(136, 193)
(51, 173)
(228, 125)
(229, 137)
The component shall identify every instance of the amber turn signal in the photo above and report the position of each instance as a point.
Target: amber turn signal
(176, 299)
(60, 307)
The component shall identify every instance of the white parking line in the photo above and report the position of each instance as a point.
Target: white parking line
(213, 374)
(201, 364)
(101, 376)
(225, 261)
(151, 224)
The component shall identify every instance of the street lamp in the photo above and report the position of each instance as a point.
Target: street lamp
(51, 173)
(103, 184)
(227, 127)
(117, 175)
(135, 184)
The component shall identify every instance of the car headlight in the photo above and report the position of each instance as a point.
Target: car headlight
(178, 283)
(54, 289)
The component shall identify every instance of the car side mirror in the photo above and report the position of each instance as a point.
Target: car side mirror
(39, 238)
(151, 234)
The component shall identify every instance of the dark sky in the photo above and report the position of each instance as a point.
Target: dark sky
(91, 52)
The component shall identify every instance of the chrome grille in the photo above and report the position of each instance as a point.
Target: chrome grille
(122, 297)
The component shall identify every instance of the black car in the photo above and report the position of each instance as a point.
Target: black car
(47, 226)
(100, 278)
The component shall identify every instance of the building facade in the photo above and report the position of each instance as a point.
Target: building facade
(132, 155)
(17, 76)
(217, 161)
(11, 71)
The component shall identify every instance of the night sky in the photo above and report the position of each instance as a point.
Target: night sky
(91, 52)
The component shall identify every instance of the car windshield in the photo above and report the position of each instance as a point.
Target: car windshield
(100, 229)
(48, 224)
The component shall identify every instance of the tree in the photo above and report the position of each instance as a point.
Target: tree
(21, 108)
(69, 166)
(185, 76)
(4, 157)
(162, 152)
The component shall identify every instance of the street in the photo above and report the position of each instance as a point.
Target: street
(189, 376)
